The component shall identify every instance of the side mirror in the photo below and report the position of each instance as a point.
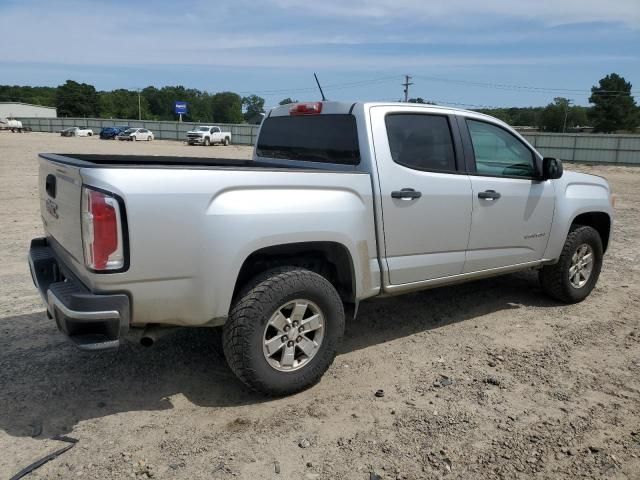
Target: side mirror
(551, 168)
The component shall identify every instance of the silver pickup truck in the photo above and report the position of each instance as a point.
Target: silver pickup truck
(341, 202)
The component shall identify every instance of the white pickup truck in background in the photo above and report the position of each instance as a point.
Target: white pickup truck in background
(208, 135)
(11, 124)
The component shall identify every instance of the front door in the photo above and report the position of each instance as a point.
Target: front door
(425, 197)
(512, 208)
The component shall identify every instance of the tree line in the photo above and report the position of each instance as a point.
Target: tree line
(613, 105)
(73, 99)
(614, 109)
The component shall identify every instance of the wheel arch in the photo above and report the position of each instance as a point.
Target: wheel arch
(330, 259)
(600, 221)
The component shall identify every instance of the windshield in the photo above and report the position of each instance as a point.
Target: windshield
(202, 129)
(314, 138)
(130, 130)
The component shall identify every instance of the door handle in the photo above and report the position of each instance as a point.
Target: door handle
(406, 194)
(489, 195)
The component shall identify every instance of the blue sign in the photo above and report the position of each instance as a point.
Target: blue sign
(180, 108)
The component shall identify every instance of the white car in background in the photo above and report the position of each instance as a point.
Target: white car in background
(77, 132)
(135, 134)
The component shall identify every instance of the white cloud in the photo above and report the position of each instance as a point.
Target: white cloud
(550, 12)
(161, 36)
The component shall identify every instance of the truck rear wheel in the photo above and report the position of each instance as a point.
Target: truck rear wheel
(226, 142)
(572, 279)
(284, 330)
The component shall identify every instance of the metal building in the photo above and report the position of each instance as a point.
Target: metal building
(19, 110)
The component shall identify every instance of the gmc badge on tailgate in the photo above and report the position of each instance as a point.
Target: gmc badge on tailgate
(52, 208)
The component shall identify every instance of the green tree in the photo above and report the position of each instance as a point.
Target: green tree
(287, 101)
(123, 103)
(560, 116)
(553, 115)
(35, 95)
(253, 105)
(420, 100)
(227, 107)
(516, 116)
(614, 108)
(75, 99)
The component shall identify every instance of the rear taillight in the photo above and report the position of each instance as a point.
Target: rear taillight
(101, 231)
(306, 109)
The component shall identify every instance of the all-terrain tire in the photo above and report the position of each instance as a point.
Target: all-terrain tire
(555, 280)
(243, 333)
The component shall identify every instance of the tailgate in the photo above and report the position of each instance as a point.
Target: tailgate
(60, 189)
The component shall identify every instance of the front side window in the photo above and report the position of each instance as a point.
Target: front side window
(499, 153)
(420, 141)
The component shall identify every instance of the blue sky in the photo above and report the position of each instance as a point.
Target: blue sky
(469, 52)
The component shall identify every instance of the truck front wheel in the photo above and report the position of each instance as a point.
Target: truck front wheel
(207, 142)
(572, 279)
(284, 330)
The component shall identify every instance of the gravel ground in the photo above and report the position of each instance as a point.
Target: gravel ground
(485, 380)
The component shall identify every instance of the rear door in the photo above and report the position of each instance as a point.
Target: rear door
(512, 208)
(425, 193)
(216, 135)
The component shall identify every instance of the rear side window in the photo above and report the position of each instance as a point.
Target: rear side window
(422, 142)
(313, 138)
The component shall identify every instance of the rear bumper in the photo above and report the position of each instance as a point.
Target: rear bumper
(91, 321)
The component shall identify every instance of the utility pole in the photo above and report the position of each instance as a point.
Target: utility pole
(566, 113)
(406, 87)
(139, 109)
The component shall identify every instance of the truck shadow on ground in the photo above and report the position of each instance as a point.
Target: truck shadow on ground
(47, 386)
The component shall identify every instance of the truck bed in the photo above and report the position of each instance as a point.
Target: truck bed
(189, 224)
(156, 161)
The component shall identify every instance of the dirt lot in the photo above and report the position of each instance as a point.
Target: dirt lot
(538, 389)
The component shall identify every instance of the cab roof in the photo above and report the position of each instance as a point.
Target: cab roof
(331, 107)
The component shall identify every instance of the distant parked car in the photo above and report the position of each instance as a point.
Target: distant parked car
(110, 133)
(134, 134)
(77, 132)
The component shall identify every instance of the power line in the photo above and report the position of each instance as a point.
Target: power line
(334, 86)
(506, 86)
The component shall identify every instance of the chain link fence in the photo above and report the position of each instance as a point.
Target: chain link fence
(588, 147)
